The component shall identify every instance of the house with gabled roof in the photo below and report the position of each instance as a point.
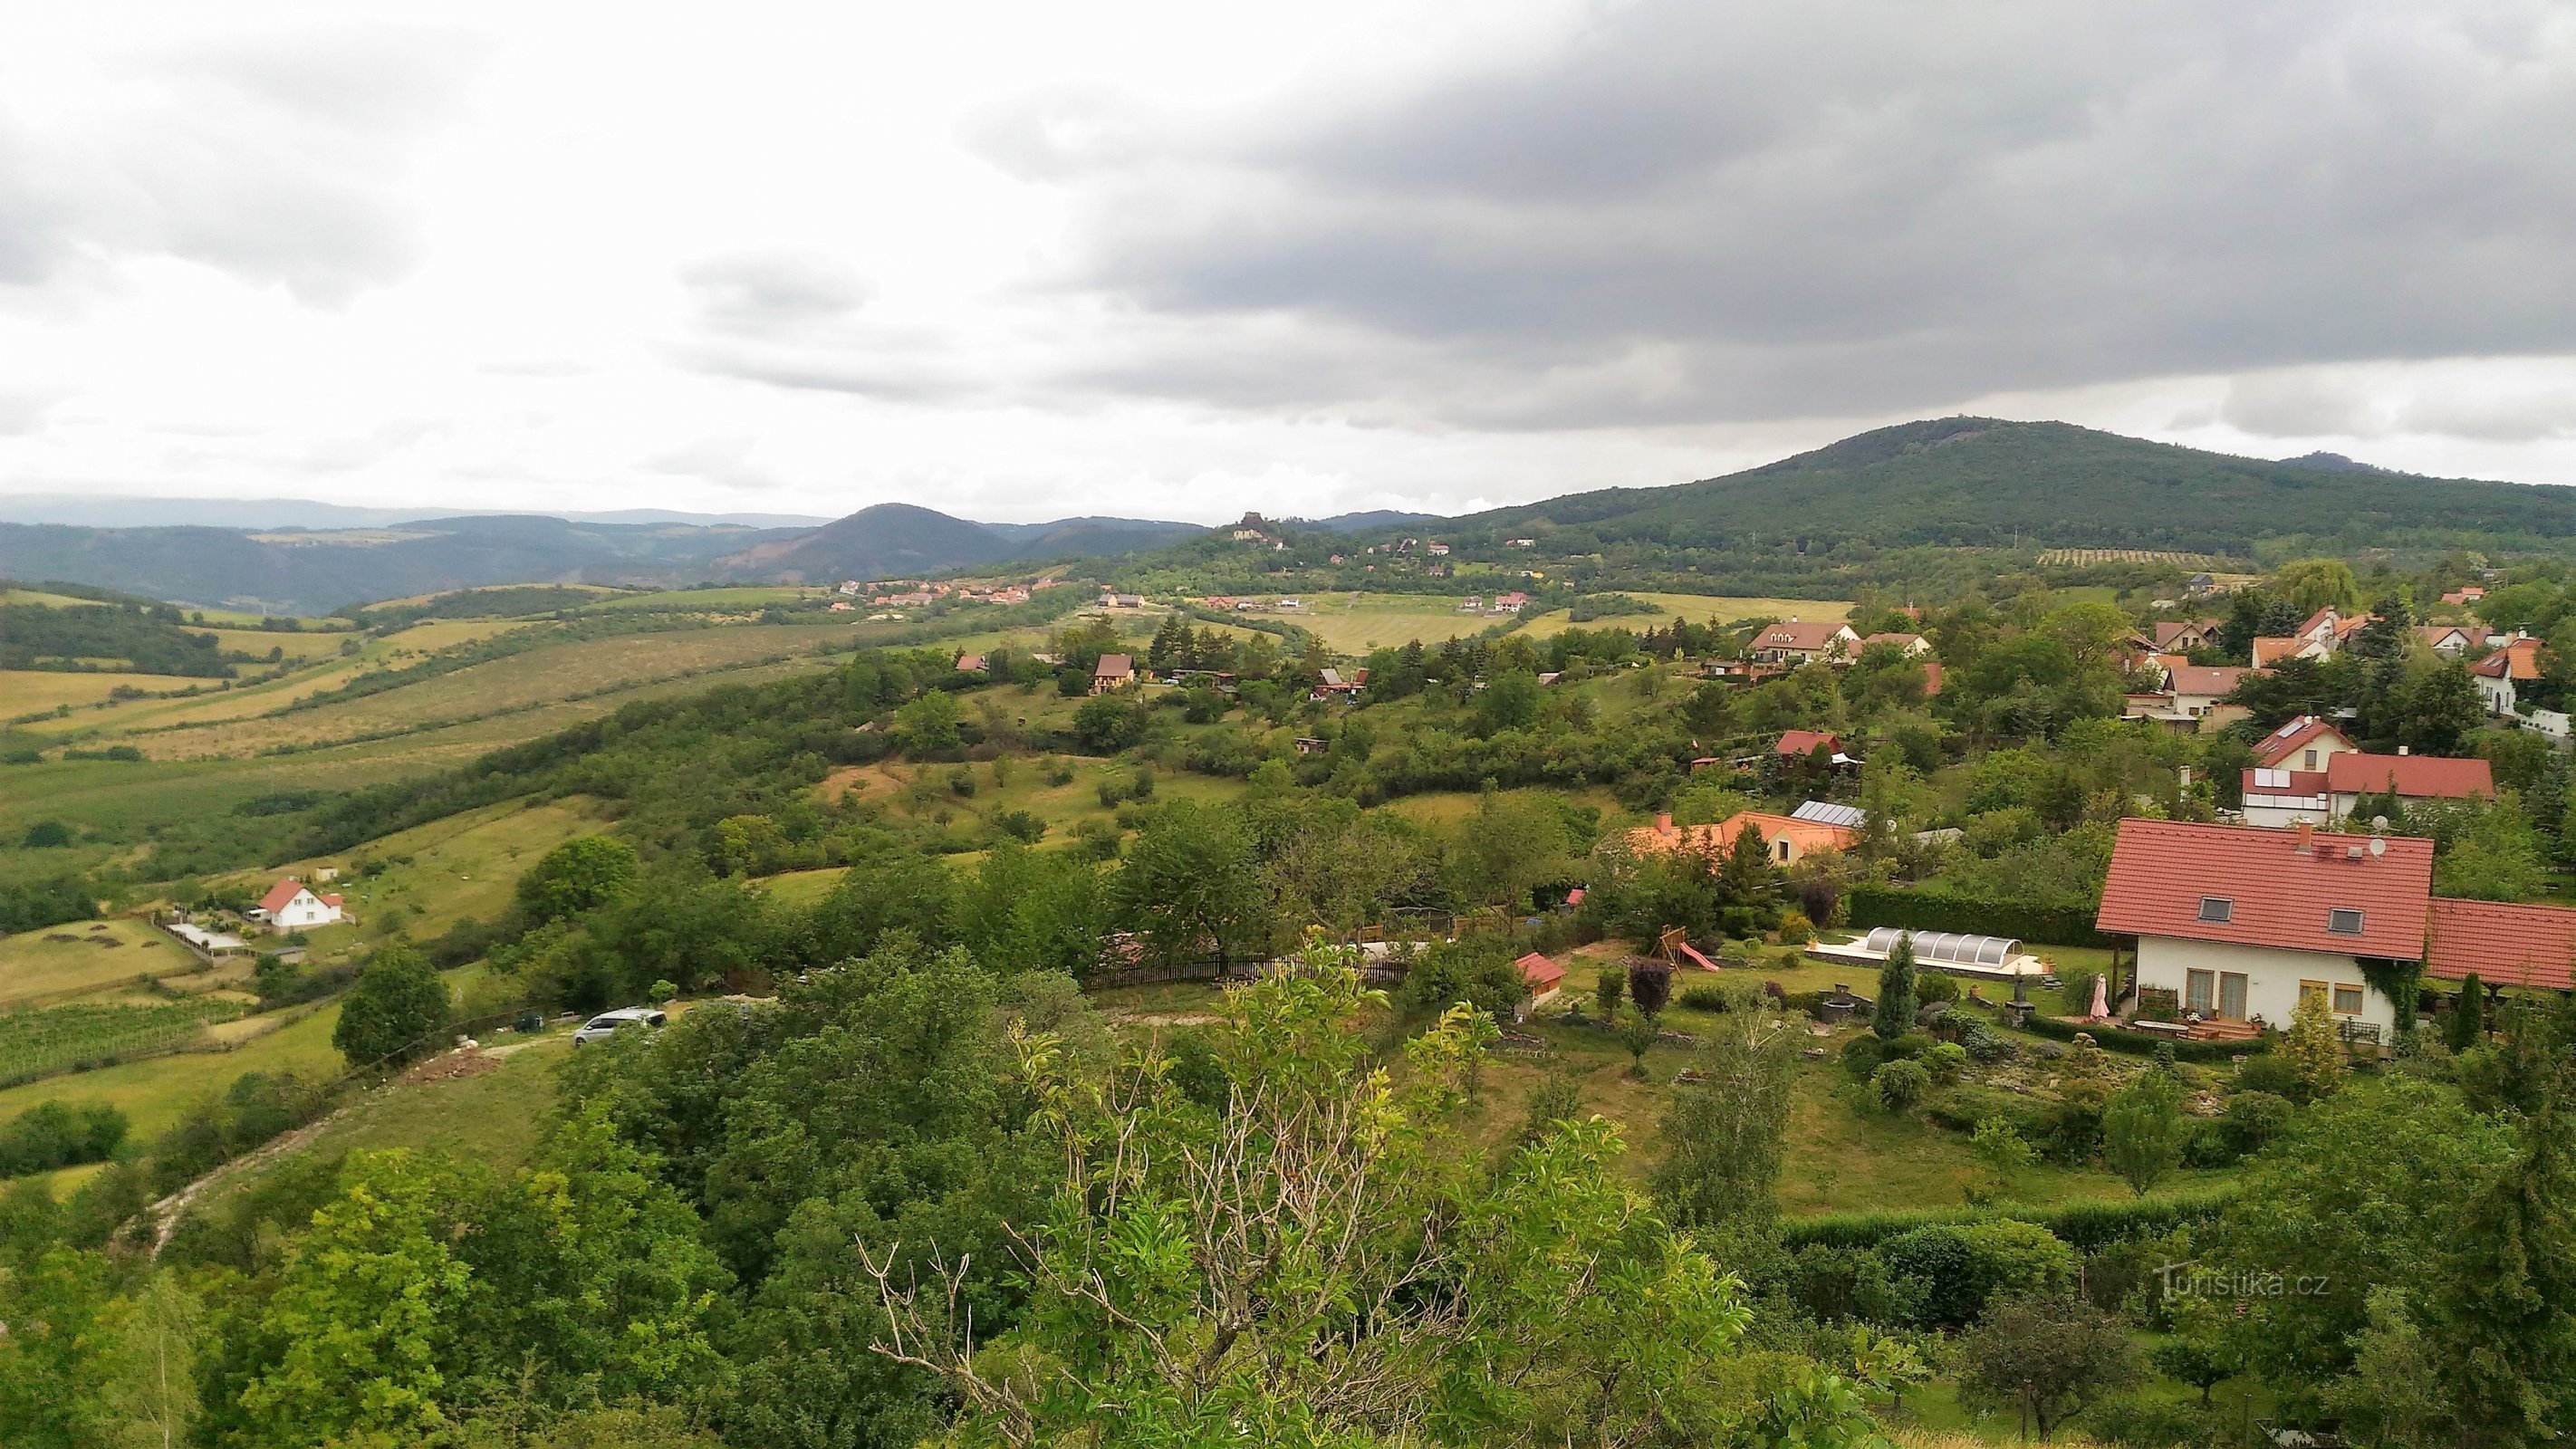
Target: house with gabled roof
(1803, 744)
(2180, 636)
(1113, 672)
(2449, 640)
(290, 905)
(2303, 742)
(2496, 676)
(2241, 923)
(1543, 977)
(1794, 641)
(1912, 646)
(2269, 650)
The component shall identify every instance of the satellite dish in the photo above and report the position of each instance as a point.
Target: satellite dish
(2378, 823)
(2378, 847)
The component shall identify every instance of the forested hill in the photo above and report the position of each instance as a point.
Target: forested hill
(313, 573)
(888, 540)
(1983, 482)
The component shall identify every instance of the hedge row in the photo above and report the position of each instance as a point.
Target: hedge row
(2083, 1225)
(1919, 910)
(2143, 1043)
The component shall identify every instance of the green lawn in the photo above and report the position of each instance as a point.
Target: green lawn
(154, 1093)
(42, 963)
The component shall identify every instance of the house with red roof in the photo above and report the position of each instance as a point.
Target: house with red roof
(2449, 640)
(2518, 662)
(1794, 642)
(2240, 923)
(2504, 945)
(1801, 744)
(1544, 977)
(2269, 651)
(290, 905)
(2414, 778)
(2181, 636)
(1113, 672)
(2304, 742)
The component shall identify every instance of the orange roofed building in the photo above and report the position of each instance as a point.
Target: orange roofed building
(1787, 840)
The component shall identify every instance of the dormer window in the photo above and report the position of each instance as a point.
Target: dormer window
(2217, 909)
(2344, 921)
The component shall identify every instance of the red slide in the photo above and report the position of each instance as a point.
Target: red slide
(1687, 949)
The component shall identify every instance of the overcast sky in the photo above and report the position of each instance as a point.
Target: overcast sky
(1018, 261)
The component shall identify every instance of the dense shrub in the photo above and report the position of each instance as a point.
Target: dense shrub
(1863, 1056)
(1900, 1084)
(1960, 1267)
(57, 1134)
(1921, 910)
(2143, 1043)
(2086, 1225)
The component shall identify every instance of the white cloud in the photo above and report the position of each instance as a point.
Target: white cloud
(1177, 260)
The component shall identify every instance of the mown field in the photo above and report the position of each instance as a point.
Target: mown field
(85, 956)
(1697, 608)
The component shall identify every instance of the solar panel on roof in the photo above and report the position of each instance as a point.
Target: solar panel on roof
(1825, 812)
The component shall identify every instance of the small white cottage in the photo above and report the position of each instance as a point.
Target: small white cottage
(292, 906)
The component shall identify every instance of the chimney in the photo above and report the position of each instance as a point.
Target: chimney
(2307, 839)
(1663, 822)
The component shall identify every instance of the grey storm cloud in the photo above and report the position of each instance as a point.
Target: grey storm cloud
(280, 159)
(762, 292)
(1707, 212)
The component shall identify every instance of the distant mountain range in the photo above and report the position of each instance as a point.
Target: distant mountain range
(1820, 517)
(115, 511)
(323, 569)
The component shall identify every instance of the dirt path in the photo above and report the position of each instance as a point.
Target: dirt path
(167, 1213)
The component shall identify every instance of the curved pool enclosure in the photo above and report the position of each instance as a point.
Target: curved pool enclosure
(1947, 948)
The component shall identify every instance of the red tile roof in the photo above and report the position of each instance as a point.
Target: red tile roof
(2166, 631)
(2279, 894)
(2506, 945)
(1931, 677)
(279, 894)
(2207, 679)
(1541, 973)
(2415, 776)
(2293, 737)
(2270, 650)
(1811, 634)
(1114, 666)
(2521, 657)
(1802, 743)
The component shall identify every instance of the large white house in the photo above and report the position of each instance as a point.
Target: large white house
(290, 905)
(2240, 923)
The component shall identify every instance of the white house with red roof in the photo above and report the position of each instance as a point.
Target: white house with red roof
(2239, 923)
(2304, 742)
(2518, 662)
(290, 905)
(1795, 642)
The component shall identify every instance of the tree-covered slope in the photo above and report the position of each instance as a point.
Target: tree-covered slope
(1982, 482)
